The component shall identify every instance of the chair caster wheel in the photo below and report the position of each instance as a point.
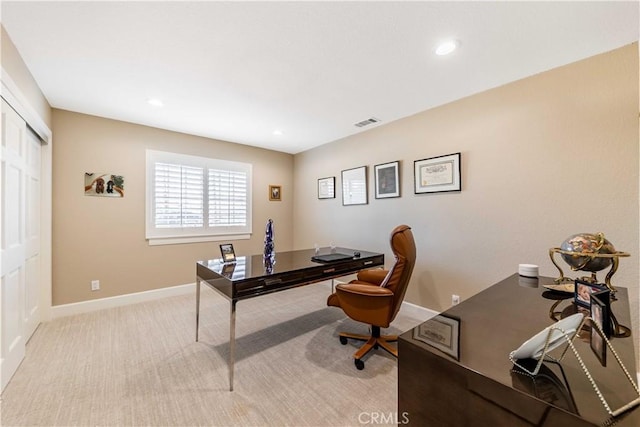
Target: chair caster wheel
(343, 341)
(375, 347)
(359, 364)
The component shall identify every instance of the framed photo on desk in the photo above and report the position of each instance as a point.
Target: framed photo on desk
(228, 254)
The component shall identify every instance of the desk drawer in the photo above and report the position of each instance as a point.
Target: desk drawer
(269, 284)
(300, 277)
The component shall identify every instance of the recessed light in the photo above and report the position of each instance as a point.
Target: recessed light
(155, 102)
(446, 47)
(277, 132)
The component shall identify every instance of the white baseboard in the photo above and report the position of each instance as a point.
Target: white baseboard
(120, 300)
(417, 311)
(57, 311)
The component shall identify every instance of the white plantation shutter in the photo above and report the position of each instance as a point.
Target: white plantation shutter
(196, 198)
(227, 198)
(179, 196)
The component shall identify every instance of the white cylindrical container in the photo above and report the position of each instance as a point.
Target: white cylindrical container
(528, 270)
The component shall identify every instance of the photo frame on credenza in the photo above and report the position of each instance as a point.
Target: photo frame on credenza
(600, 314)
(583, 291)
(597, 341)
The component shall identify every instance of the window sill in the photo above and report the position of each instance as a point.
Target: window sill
(159, 241)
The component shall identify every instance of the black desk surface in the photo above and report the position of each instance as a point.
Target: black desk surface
(497, 321)
(248, 277)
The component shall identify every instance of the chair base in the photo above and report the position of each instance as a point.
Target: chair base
(373, 341)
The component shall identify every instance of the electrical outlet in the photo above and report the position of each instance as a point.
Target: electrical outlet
(95, 285)
(455, 299)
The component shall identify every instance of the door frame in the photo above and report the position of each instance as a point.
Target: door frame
(12, 94)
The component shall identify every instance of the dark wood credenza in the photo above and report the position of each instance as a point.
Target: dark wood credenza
(482, 388)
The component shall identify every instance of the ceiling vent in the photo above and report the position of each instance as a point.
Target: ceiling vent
(367, 122)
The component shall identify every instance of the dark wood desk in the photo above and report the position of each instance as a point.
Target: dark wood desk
(483, 389)
(248, 278)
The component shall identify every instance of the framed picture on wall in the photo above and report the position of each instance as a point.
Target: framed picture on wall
(103, 184)
(327, 188)
(354, 186)
(437, 174)
(275, 193)
(387, 178)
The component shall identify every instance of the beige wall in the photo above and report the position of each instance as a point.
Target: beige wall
(542, 158)
(14, 65)
(104, 238)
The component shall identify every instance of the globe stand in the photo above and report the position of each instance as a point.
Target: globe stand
(619, 331)
(588, 256)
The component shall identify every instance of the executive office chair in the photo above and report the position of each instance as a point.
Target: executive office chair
(376, 295)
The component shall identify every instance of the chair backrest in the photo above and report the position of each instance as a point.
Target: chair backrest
(404, 250)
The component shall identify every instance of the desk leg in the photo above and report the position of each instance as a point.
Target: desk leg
(197, 306)
(232, 342)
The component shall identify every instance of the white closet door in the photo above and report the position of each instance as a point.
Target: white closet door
(32, 235)
(13, 161)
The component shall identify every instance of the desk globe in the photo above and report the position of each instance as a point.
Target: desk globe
(588, 252)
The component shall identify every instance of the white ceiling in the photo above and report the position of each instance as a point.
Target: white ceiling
(237, 71)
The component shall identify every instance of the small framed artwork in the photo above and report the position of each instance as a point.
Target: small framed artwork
(103, 184)
(437, 174)
(327, 188)
(387, 178)
(228, 254)
(354, 186)
(599, 314)
(441, 332)
(583, 291)
(275, 193)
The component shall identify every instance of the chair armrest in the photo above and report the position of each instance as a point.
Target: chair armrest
(372, 276)
(363, 288)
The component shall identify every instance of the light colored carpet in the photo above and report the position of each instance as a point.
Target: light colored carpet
(139, 365)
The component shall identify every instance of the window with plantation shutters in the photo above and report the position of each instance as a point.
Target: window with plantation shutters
(179, 196)
(191, 199)
(227, 198)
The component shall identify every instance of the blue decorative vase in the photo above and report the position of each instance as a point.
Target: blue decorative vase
(269, 257)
